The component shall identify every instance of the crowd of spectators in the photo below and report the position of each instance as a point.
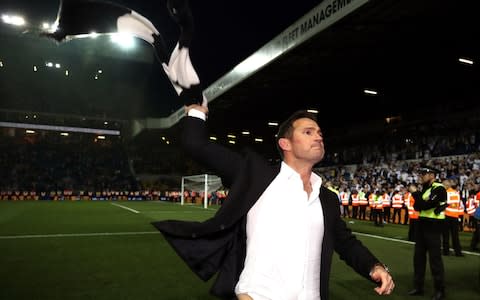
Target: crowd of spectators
(48, 162)
(418, 141)
(393, 175)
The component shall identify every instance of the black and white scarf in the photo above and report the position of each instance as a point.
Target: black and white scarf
(80, 18)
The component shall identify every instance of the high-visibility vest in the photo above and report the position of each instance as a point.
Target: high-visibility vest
(386, 200)
(455, 205)
(334, 190)
(362, 200)
(379, 202)
(371, 200)
(472, 205)
(409, 200)
(429, 213)
(344, 198)
(477, 200)
(355, 200)
(397, 201)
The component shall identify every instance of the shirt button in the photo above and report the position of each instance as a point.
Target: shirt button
(194, 235)
(222, 227)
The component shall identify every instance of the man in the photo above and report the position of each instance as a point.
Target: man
(476, 232)
(363, 200)
(378, 210)
(387, 204)
(431, 203)
(355, 204)
(452, 214)
(397, 204)
(412, 214)
(275, 235)
(345, 198)
(475, 203)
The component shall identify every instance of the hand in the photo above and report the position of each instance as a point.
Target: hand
(412, 188)
(380, 275)
(203, 108)
(440, 208)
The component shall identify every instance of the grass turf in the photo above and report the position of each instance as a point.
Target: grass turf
(95, 250)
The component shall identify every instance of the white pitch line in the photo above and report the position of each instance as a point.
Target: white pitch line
(61, 235)
(405, 242)
(186, 204)
(127, 208)
(384, 238)
(176, 211)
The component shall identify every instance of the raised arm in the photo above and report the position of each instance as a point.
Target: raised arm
(221, 160)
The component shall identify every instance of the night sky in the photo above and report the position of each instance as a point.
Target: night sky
(226, 32)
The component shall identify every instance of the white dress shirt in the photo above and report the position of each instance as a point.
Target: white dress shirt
(284, 241)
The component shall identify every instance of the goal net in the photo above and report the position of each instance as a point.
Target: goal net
(196, 188)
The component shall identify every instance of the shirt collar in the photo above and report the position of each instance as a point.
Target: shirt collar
(288, 173)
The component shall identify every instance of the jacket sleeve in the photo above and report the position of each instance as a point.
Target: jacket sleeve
(221, 160)
(438, 196)
(349, 248)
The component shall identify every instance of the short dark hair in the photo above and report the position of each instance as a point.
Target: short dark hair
(285, 130)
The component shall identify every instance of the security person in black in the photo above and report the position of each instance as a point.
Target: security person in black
(431, 203)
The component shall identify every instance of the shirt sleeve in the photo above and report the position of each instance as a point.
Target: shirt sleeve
(197, 114)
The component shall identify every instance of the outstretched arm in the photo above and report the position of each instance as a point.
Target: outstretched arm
(354, 253)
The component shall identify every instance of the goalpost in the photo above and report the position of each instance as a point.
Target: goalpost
(205, 183)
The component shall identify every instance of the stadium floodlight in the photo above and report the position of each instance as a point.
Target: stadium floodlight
(124, 40)
(466, 61)
(370, 92)
(93, 35)
(13, 20)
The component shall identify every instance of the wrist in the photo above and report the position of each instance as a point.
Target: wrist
(197, 114)
(378, 265)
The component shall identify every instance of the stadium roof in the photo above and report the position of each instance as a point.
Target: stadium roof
(413, 54)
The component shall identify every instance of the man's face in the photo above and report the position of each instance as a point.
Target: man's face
(307, 141)
(426, 177)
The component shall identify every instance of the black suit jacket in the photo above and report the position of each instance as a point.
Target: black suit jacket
(218, 245)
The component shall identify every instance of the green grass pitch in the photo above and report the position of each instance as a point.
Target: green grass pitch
(99, 250)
